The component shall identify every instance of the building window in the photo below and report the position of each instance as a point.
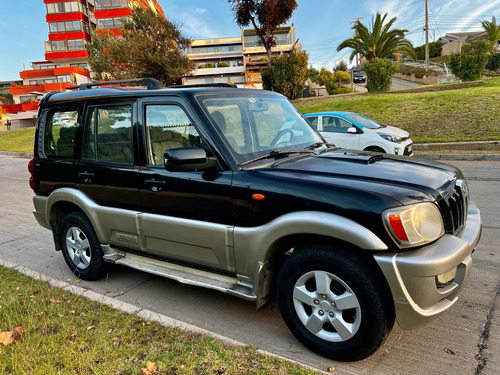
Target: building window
(66, 7)
(108, 4)
(43, 67)
(68, 26)
(42, 81)
(82, 65)
(65, 45)
(217, 49)
(110, 23)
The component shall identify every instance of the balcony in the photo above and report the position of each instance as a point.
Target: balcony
(21, 90)
(219, 71)
(39, 73)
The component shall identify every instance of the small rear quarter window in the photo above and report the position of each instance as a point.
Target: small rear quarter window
(59, 133)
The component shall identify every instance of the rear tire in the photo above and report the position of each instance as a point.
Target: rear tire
(81, 248)
(335, 302)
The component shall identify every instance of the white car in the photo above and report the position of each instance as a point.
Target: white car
(354, 131)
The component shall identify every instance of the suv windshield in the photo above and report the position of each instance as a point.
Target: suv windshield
(253, 126)
(363, 121)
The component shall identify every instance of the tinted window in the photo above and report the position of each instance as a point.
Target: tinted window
(168, 126)
(335, 124)
(108, 134)
(60, 133)
(313, 121)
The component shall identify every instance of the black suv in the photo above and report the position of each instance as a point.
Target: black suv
(233, 190)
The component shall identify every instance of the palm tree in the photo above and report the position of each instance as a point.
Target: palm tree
(493, 32)
(379, 41)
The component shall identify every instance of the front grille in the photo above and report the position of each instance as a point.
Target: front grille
(458, 204)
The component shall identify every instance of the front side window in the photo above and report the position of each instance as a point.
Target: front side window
(108, 134)
(363, 121)
(253, 126)
(167, 127)
(59, 133)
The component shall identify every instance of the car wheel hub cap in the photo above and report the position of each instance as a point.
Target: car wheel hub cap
(78, 248)
(337, 317)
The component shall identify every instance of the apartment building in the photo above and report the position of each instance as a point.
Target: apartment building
(69, 26)
(237, 60)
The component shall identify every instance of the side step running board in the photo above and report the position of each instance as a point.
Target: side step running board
(182, 274)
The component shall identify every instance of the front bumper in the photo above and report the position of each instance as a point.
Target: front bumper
(404, 148)
(412, 275)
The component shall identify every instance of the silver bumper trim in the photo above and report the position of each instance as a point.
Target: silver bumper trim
(411, 275)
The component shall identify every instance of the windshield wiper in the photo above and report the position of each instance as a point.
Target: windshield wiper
(314, 145)
(275, 153)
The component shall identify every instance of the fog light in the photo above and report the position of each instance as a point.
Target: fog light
(396, 151)
(446, 278)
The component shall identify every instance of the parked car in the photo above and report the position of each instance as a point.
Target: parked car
(232, 190)
(354, 131)
(358, 75)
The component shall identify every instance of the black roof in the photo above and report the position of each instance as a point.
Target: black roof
(123, 92)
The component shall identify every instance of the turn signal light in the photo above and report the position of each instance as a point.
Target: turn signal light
(258, 197)
(397, 227)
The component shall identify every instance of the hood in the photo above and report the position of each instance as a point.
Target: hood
(394, 176)
(391, 130)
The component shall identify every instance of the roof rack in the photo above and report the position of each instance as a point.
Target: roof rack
(204, 85)
(151, 84)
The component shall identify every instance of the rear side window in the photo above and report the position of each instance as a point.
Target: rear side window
(59, 133)
(108, 134)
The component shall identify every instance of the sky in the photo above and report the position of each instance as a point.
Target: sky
(320, 24)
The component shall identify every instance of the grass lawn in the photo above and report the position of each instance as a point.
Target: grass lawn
(20, 140)
(68, 334)
(469, 114)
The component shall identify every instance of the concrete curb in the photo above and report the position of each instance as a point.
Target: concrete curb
(473, 157)
(17, 154)
(145, 314)
(469, 145)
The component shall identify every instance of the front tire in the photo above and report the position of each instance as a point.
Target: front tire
(335, 302)
(81, 248)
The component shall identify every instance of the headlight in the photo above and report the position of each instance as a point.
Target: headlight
(415, 225)
(390, 137)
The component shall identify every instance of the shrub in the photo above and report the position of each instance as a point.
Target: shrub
(201, 67)
(209, 65)
(493, 62)
(223, 65)
(341, 77)
(379, 73)
(341, 90)
(286, 74)
(327, 79)
(470, 64)
(264, 59)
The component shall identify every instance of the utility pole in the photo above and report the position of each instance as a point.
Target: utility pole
(426, 35)
(356, 19)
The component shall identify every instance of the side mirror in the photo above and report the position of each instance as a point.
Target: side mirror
(187, 159)
(352, 130)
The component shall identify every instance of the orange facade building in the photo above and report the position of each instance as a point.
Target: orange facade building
(70, 24)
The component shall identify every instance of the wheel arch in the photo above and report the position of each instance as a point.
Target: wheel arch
(259, 249)
(58, 211)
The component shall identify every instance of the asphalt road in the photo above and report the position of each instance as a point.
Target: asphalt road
(402, 84)
(471, 329)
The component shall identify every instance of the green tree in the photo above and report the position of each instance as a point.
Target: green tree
(434, 50)
(150, 46)
(379, 72)
(492, 31)
(470, 64)
(327, 79)
(287, 74)
(380, 40)
(265, 16)
(341, 65)
(341, 77)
